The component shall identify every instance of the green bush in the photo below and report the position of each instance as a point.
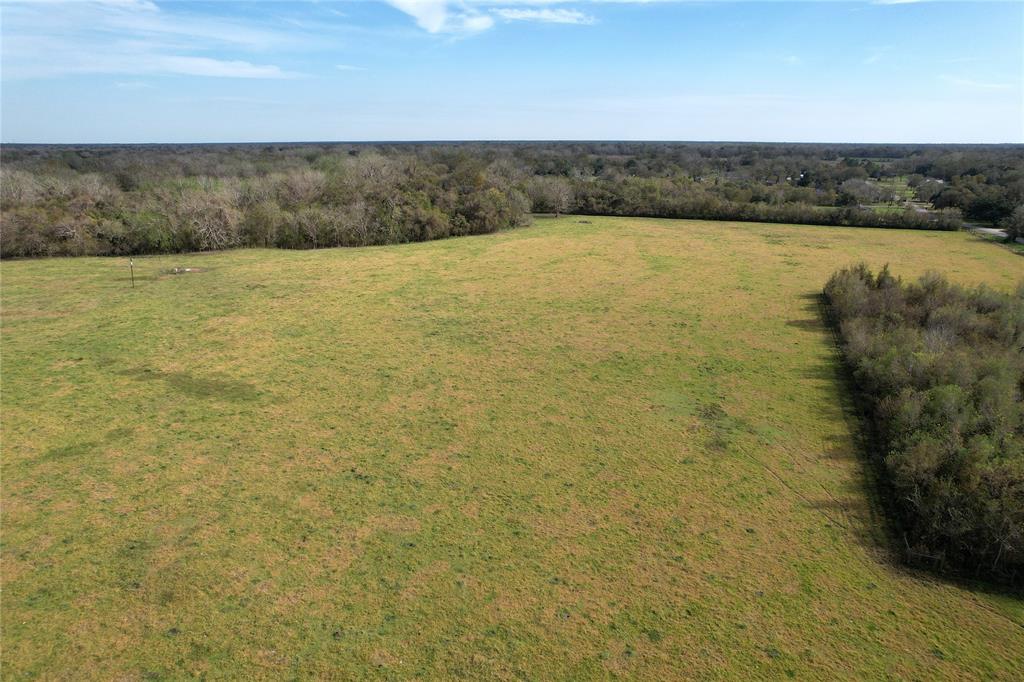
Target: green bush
(942, 368)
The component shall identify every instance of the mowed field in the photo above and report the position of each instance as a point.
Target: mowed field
(579, 450)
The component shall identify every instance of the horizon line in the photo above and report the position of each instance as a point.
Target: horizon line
(411, 141)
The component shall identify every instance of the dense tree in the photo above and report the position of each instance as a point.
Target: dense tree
(853, 192)
(549, 194)
(1014, 223)
(942, 368)
(61, 200)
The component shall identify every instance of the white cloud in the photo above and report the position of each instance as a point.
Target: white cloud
(552, 16)
(430, 15)
(46, 38)
(437, 16)
(876, 55)
(140, 4)
(792, 60)
(348, 67)
(473, 16)
(121, 4)
(217, 68)
(974, 84)
(131, 4)
(472, 23)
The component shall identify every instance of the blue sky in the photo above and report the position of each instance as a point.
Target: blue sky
(145, 71)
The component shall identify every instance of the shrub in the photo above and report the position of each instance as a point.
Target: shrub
(1014, 223)
(209, 219)
(942, 369)
(261, 223)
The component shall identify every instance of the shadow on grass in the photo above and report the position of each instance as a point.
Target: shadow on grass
(878, 524)
(198, 387)
(64, 452)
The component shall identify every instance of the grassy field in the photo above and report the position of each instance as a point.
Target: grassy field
(1015, 247)
(612, 448)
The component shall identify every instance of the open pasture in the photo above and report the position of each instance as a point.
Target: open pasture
(592, 448)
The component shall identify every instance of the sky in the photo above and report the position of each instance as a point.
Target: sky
(151, 71)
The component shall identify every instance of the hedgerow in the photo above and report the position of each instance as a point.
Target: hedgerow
(942, 370)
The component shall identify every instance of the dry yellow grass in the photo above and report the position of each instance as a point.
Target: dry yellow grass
(578, 450)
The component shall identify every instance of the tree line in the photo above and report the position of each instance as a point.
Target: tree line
(942, 371)
(125, 199)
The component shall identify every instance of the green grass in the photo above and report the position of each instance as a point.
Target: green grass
(886, 208)
(568, 451)
(896, 185)
(1013, 247)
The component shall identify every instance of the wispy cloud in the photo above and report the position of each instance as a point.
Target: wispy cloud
(474, 16)
(47, 38)
(550, 16)
(975, 84)
(792, 60)
(438, 16)
(223, 99)
(348, 67)
(960, 60)
(218, 68)
(876, 55)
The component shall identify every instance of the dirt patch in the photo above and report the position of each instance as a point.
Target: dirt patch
(388, 523)
(434, 464)
(471, 509)
(420, 581)
(182, 271)
(383, 658)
